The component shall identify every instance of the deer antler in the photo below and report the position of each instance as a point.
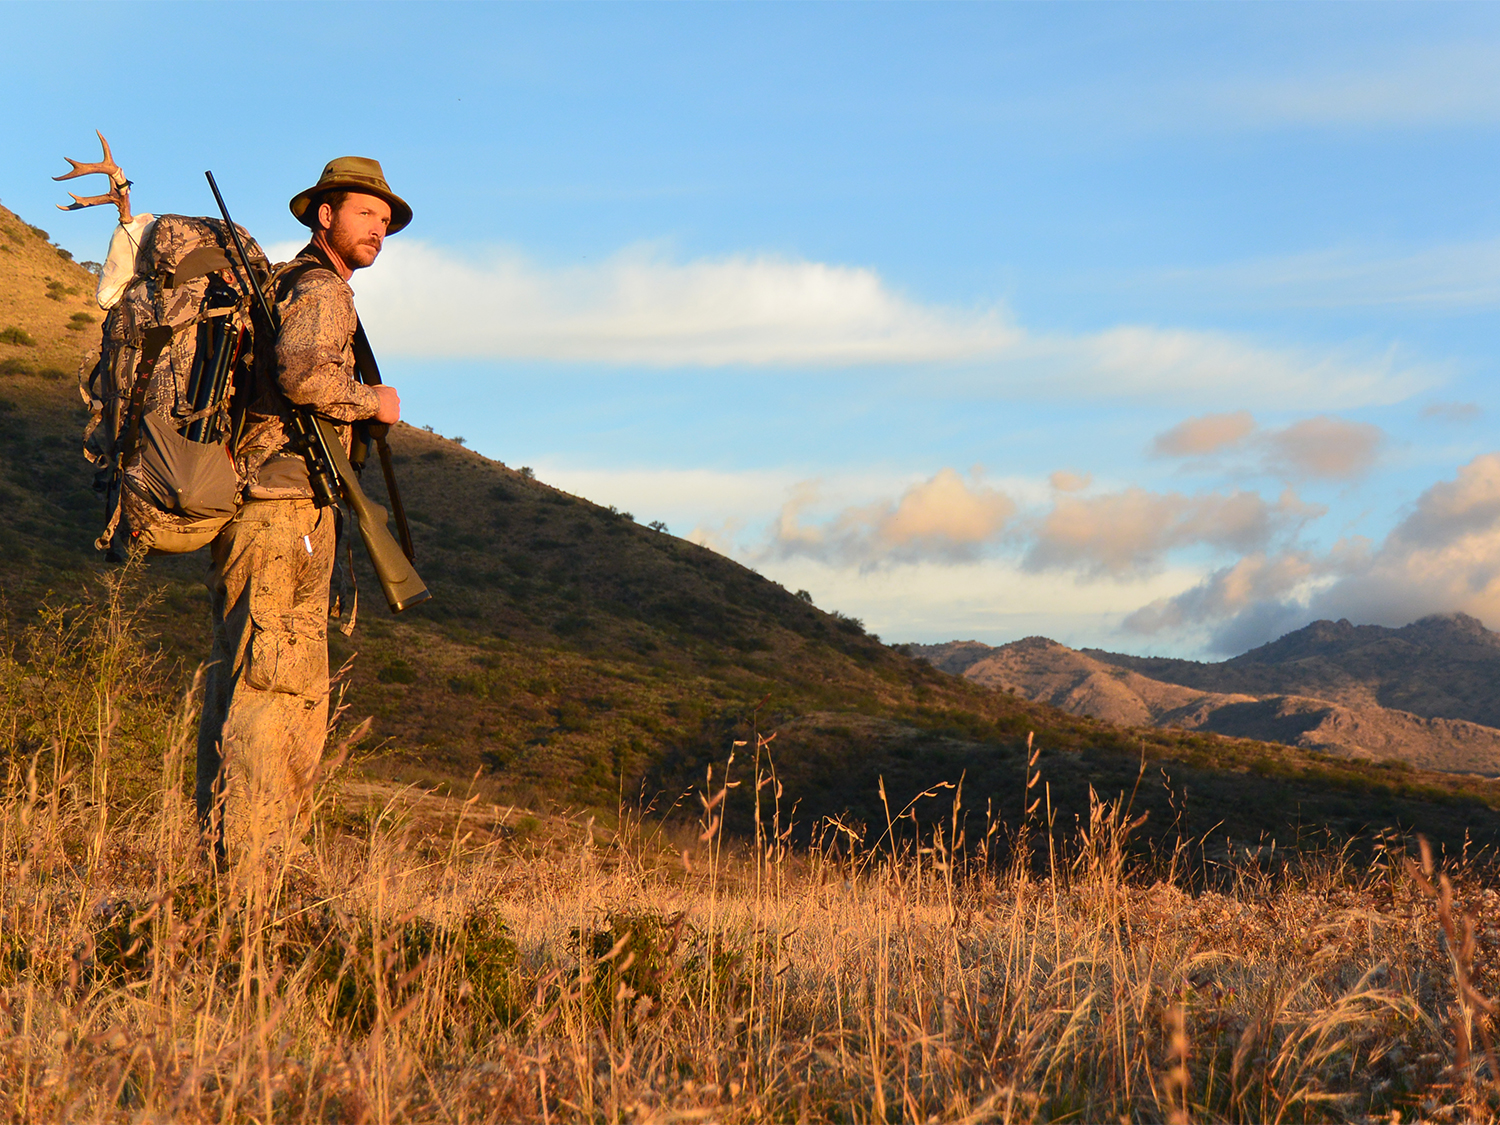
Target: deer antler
(119, 186)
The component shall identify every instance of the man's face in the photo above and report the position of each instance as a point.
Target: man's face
(357, 229)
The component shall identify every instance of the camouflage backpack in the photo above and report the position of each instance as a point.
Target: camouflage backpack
(161, 396)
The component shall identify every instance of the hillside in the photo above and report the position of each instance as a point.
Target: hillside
(571, 655)
(1087, 683)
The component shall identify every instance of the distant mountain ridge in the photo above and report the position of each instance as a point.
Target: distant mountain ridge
(1440, 667)
(1423, 694)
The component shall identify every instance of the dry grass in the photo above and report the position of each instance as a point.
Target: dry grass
(514, 967)
(41, 293)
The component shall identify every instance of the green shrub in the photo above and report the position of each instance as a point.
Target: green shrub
(18, 336)
(397, 671)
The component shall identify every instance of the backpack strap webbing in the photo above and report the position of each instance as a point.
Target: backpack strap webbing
(153, 342)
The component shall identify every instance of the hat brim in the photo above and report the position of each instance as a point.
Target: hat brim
(306, 214)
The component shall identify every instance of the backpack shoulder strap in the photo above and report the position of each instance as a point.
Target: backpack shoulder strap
(153, 343)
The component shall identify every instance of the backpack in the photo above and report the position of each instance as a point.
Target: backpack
(161, 396)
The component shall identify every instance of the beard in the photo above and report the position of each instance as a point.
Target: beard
(358, 251)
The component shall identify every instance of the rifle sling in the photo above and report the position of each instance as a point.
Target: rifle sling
(369, 374)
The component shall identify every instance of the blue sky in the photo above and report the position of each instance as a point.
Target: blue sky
(1163, 328)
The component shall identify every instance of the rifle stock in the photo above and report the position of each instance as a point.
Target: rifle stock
(398, 578)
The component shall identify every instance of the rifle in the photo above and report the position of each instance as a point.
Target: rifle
(328, 469)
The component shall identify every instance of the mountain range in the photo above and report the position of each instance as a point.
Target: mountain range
(1424, 694)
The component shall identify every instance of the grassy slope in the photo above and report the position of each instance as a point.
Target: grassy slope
(569, 652)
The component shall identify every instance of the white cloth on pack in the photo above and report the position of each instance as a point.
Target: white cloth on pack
(119, 265)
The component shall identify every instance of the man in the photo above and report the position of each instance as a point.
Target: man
(265, 709)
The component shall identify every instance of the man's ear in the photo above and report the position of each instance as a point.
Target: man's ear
(325, 216)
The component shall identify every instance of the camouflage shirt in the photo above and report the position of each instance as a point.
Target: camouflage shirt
(313, 365)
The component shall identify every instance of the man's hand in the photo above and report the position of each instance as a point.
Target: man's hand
(389, 411)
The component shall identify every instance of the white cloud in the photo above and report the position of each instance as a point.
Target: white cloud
(1064, 481)
(1444, 557)
(988, 599)
(1327, 447)
(1321, 447)
(1247, 584)
(944, 518)
(1130, 532)
(637, 308)
(641, 309)
(1208, 433)
(1453, 411)
(1205, 367)
(947, 556)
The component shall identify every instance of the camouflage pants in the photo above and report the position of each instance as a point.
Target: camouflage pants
(265, 706)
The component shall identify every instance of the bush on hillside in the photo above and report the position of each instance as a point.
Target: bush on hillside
(18, 336)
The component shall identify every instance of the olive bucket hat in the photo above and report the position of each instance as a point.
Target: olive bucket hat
(351, 173)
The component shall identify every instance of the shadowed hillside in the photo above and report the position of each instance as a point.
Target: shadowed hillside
(570, 654)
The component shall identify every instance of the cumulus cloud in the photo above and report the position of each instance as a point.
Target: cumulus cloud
(1208, 433)
(1444, 557)
(945, 518)
(1256, 582)
(1326, 447)
(1128, 533)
